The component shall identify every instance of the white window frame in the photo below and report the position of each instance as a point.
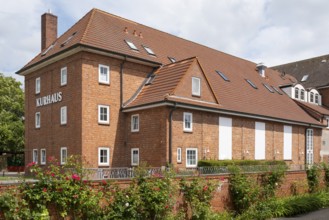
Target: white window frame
(37, 120)
(198, 82)
(309, 146)
(133, 128)
(100, 163)
(134, 163)
(260, 140)
(100, 121)
(35, 155)
(196, 157)
(296, 93)
(302, 94)
(179, 155)
(63, 159)
(287, 142)
(225, 139)
(43, 156)
(63, 114)
(100, 74)
(37, 85)
(63, 76)
(185, 128)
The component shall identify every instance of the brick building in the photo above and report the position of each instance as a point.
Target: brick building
(119, 93)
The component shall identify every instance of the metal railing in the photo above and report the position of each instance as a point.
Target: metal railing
(128, 173)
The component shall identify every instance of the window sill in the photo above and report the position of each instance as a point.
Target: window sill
(134, 131)
(63, 85)
(198, 96)
(188, 131)
(104, 83)
(104, 123)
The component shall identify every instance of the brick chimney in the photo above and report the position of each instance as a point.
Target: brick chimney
(48, 29)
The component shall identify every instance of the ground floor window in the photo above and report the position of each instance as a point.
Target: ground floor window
(43, 156)
(134, 156)
(179, 155)
(191, 157)
(309, 146)
(35, 155)
(63, 155)
(103, 156)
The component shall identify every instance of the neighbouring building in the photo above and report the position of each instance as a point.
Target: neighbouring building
(311, 91)
(119, 93)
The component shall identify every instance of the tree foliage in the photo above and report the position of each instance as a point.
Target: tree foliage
(11, 115)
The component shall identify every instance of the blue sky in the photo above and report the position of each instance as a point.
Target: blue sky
(269, 31)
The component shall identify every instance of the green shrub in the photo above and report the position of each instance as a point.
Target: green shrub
(313, 175)
(326, 174)
(270, 181)
(220, 163)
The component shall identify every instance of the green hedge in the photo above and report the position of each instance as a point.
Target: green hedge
(223, 163)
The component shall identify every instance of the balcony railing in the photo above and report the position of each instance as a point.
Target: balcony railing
(128, 173)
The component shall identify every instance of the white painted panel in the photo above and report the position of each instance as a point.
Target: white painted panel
(287, 142)
(225, 138)
(260, 141)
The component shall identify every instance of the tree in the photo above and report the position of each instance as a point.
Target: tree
(11, 115)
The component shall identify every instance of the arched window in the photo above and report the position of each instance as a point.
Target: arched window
(296, 93)
(317, 98)
(302, 94)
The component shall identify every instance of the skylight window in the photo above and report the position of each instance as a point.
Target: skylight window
(268, 87)
(150, 80)
(48, 49)
(305, 77)
(149, 50)
(277, 90)
(173, 60)
(222, 75)
(68, 39)
(252, 84)
(131, 45)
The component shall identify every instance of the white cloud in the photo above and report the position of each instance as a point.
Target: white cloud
(271, 31)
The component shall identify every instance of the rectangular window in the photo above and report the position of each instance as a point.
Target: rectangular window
(103, 114)
(179, 155)
(37, 120)
(37, 85)
(103, 156)
(287, 142)
(135, 156)
(225, 138)
(103, 74)
(196, 86)
(149, 50)
(327, 122)
(135, 123)
(309, 146)
(131, 45)
(191, 157)
(316, 98)
(63, 115)
(302, 94)
(312, 97)
(296, 93)
(260, 141)
(35, 155)
(43, 156)
(63, 76)
(63, 155)
(188, 122)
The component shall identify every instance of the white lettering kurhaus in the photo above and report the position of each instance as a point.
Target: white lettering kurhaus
(49, 99)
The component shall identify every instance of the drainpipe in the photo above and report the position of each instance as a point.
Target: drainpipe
(121, 82)
(170, 132)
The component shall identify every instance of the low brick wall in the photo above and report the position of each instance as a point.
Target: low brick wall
(294, 182)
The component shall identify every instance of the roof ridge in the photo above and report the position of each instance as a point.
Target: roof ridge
(92, 11)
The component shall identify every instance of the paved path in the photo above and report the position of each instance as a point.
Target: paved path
(322, 214)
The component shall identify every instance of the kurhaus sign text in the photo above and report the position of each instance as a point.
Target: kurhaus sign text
(49, 99)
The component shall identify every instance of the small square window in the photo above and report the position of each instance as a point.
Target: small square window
(37, 85)
(103, 156)
(251, 83)
(196, 87)
(43, 156)
(135, 123)
(172, 59)
(63, 76)
(103, 114)
(63, 155)
(63, 115)
(191, 157)
(135, 156)
(131, 45)
(103, 74)
(35, 155)
(37, 120)
(149, 50)
(222, 75)
(179, 155)
(187, 122)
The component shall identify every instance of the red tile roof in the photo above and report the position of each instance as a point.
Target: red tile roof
(107, 32)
